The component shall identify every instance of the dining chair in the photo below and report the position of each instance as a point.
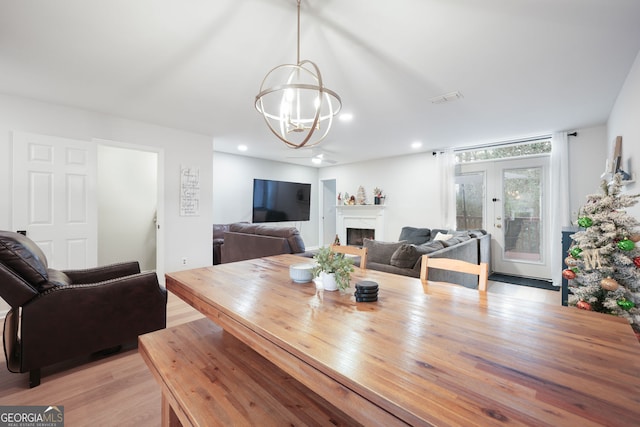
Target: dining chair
(352, 250)
(481, 270)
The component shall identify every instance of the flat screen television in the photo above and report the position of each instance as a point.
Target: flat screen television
(275, 201)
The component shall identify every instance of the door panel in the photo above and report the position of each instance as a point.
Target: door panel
(54, 197)
(511, 196)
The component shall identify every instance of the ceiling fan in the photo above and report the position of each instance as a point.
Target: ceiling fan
(316, 155)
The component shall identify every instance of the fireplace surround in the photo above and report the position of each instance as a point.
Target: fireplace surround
(364, 221)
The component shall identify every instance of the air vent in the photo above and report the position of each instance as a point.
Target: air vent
(447, 97)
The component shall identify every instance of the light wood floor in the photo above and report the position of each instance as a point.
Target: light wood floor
(120, 390)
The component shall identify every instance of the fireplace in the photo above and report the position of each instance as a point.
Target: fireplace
(365, 221)
(356, 236)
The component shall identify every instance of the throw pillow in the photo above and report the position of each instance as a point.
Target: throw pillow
(441, 237)
(416, 236)
(405, 256)
(380, 252)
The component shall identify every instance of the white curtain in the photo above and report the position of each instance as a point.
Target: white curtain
(560, 209)
(446, 169)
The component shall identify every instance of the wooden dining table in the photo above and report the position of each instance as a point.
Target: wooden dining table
(426, 353)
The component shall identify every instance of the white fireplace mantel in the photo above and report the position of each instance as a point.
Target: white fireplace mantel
(360, 216)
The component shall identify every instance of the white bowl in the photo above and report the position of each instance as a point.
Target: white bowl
(301, 273)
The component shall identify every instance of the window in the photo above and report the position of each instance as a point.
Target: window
(503, 151)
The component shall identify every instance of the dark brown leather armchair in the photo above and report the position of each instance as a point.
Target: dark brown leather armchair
(58, 315)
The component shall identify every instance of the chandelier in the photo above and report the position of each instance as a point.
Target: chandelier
(295, 104)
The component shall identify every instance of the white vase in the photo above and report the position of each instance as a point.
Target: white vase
(329, 281)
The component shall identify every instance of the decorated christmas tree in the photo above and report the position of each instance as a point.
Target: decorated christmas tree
(604, 260)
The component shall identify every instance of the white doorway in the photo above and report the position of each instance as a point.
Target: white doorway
(127, 206)
(328, 212)
(510, 199)
(150, 212)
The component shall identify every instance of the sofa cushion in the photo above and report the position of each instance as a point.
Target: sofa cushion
(268, 230)
(290, 233)
(405, 256)
(416, 236)
(427, 248)
(24, 257)
(380, 252)
(243, 227)
(452, 241)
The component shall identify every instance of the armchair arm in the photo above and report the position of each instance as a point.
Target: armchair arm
(103, 273)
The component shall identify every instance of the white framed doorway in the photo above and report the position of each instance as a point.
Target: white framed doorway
(135, 215)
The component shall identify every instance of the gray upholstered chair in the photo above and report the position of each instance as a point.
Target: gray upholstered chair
(59, 315)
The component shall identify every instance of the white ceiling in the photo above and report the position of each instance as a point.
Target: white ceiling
(524, 67)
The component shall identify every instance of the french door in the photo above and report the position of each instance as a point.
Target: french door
(510, 199)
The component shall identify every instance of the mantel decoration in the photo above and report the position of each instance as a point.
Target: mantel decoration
(360, 198)
(378, 196)
(295, 104)
(336, 269)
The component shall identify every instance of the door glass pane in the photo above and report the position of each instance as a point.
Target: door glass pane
(521, 209)
(470, 201)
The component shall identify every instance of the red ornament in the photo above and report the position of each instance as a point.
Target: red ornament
(636, 261)
(568, 274)
(583, 305)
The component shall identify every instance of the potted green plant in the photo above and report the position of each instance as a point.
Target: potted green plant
(335, 268)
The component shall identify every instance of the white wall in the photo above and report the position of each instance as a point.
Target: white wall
(411, 184)
(233, 189)
(127, 206)
(184, 236)
(625, 121)
(587, 154)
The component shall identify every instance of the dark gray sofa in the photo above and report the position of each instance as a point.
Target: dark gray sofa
(405, 256)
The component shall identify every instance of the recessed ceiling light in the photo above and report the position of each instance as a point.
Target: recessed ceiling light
(316, 160)
(415, 145)
(242, 147)
(346, 117)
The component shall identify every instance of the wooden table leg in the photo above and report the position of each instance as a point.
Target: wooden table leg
(169, 417)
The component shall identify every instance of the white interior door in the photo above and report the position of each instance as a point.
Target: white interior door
(54, 197)
(510, 198)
